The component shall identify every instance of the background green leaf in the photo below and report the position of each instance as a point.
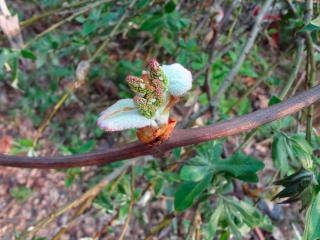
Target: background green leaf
(188, 191)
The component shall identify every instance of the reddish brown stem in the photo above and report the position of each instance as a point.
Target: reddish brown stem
(180, 137)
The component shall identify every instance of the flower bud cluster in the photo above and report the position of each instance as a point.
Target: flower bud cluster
(150, 89)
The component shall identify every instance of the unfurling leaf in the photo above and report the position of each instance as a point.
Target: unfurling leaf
(280, 155)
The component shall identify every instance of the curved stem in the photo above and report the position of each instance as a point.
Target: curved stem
(180, 137)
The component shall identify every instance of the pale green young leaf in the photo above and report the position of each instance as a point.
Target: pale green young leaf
(212, 225)
(193, 173)
(312, 225)
(280, 155)
(250, 215)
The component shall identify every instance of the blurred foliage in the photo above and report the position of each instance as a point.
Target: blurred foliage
(21, 193)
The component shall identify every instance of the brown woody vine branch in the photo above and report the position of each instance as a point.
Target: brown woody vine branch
(180, 137)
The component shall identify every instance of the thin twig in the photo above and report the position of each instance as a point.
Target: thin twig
(284, 92)
(207, 79)
(126, 224)
(83, 206)
(298, 84)
(264, 76)
(80, 77)
(159, 227)
(295, 67)
(244, 53)
(216, 27)
(310, 67)
(194, 228)
(113, 32)
(179, 138)
(236, 68)
(62, 22)
(259, 233)
(51, 12)
(30, 231)
(291, 6)
(106, 226)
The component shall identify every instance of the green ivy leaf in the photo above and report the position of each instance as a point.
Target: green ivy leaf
(188, 191)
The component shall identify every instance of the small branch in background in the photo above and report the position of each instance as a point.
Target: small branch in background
(208, 74)
(106, 226)
(198, 222)
(259, 233)
(311, 73)
(264, 76)
(310, 66)
(236, 68)
(295, 69)
(217, 25)
(144, 196)
(285, 90)
(126, 224)
(308, 13)
(113, 32)
(159, 227)
(62, 22)
(291, 7)
(298, 84)
(194, 231)
(284, 93)
(78, 213)
(217, 54)
(90, 194)
(35, 18)
(245, 51)
(80, 77)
